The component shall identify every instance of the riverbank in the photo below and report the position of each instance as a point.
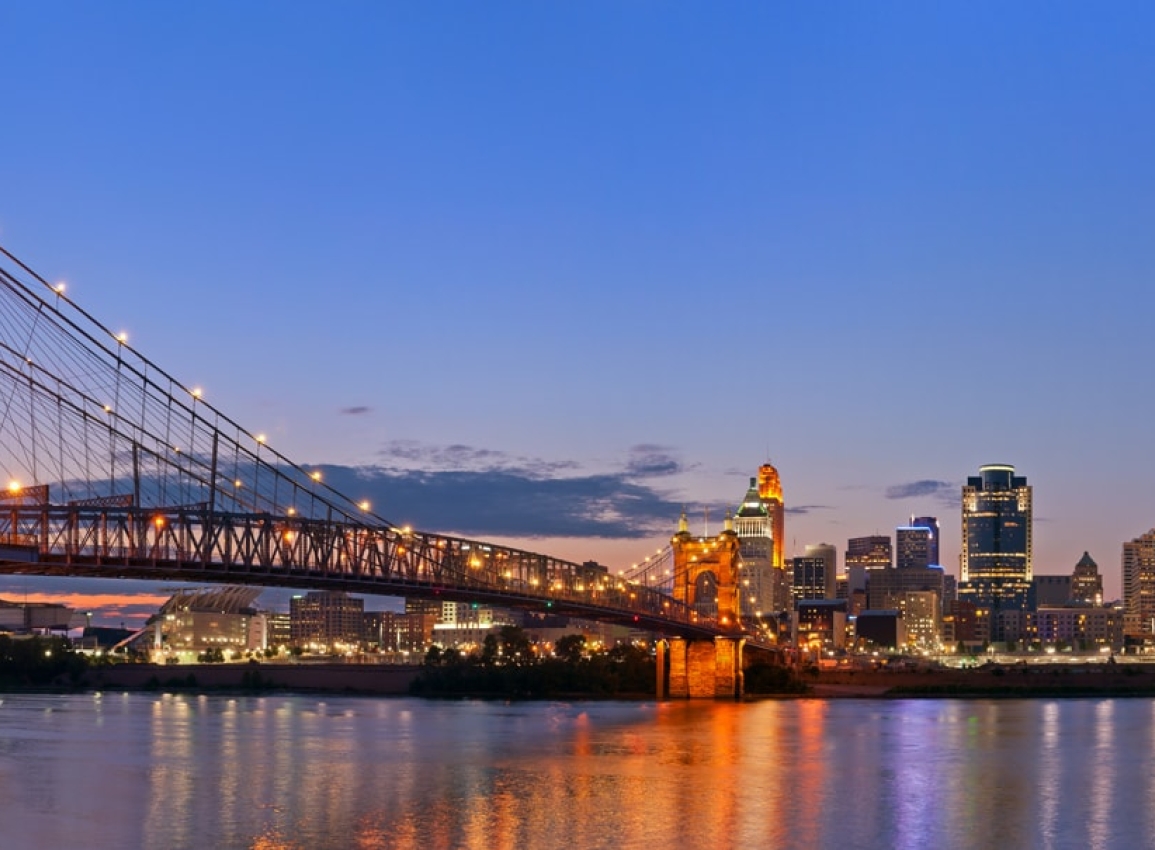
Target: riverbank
(377, 679)
(1020, 680)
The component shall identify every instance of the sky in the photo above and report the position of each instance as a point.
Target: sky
(548, 273)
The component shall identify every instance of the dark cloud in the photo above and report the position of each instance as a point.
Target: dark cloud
(458, 457)
(802, 510)
(927, 488)
(651, 461)
(356, 410)
(505, 502)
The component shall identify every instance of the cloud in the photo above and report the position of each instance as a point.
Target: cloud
(943, 491)
(802, 510)
(647, 460)
(356, 410)
(412, 454)
(504, 502)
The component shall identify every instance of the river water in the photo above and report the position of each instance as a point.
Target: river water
(116, 770)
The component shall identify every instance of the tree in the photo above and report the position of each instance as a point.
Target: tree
(570, 648)
(515, 645)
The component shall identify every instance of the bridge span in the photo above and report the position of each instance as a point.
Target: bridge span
(118, 470)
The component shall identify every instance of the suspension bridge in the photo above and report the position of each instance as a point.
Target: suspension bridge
(116, 469)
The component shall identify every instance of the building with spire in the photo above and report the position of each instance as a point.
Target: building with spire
(759, 523)
(757, 572)
(770, 492)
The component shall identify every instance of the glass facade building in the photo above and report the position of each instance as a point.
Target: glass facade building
(996, 568)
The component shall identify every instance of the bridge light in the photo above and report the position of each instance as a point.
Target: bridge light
(122, 337)
(158, 521)
(315, 475)
(291, 511)
(196, 392)
(14, 486)
(59, 288)
(237, 483)
(261, 439)
(364, 505)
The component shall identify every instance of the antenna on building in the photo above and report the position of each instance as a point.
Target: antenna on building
(706, 523)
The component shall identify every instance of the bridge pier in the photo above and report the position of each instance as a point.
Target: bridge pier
(701, 669)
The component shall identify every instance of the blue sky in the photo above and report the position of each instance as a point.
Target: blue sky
(601, 260)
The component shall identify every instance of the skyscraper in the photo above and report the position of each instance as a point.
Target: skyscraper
(1139, 586)
(996, 568)
(759, 579)
(915, 545)
(770, 491)
(931, 523)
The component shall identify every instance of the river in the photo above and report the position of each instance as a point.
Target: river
(128, 770)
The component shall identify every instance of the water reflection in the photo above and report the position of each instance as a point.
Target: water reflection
(172, 771)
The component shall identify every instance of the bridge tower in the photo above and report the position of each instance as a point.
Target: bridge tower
(705, 668)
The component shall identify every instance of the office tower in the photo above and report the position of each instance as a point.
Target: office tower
(1086, 583)
(757, 574)
(931, 523)
(810, 578)
(996, 566)
(770, 491)
(1139, 586)
(820, 583)
(914, 547)
(872, 553)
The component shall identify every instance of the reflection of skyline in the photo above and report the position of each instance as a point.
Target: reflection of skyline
(114, 770)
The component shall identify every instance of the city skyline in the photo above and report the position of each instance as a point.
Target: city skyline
(523, 282)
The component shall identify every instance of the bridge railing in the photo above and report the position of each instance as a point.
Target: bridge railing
(207, 545)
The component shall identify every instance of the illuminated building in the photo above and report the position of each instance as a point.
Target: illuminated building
(210, 618)
(1080, 627)
(871, 553)
(930, 523)
(761, 583)
(996, 564)
(325, 616)
(814, 573)
(1139, 586)
(1086, 583)
(770, 491)
(820, 623)
(917, 544)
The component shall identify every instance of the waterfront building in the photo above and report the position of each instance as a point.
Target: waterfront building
(1080, 628)
(203, 619)
(1086, 583)
(326, 617)
(1139, 586)
(872, 552)
(996, 559)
